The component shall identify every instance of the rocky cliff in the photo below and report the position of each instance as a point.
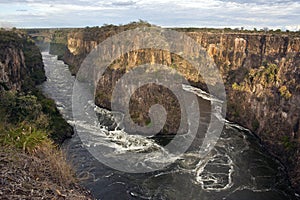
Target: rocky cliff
(21, 69)
(261, 74)
(20, 59)
(260, 71)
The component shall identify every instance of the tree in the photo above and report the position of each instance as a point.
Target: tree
(278, 30)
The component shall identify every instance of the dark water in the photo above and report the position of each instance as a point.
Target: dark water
(237, 168)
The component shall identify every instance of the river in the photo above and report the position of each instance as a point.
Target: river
(238, 167)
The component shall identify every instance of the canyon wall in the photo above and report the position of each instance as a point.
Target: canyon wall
(262, 77)
(21, 61)
(261, 72)
(21, 102)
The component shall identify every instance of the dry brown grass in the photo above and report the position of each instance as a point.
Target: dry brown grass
(40, 174)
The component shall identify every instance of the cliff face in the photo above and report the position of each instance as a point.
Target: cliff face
(81, 41)
(21, 69)
(260, 72)
(12, 68)
(21, 61)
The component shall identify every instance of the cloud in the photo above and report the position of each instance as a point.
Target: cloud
(124, 3)
(198, 13)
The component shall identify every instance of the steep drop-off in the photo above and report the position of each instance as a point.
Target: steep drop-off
(31, 128)
(20, 61)
(21, 69)
(260, 71)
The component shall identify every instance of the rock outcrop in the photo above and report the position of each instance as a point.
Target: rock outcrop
(20, 60)
(21, 70)
(260, 71)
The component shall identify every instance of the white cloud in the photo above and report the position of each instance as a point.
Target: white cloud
(213, 13)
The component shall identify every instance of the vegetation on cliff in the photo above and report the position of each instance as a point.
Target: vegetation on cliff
(31, 128)
(34, 109)
(272, 98)
(267, 76)
(26, 102)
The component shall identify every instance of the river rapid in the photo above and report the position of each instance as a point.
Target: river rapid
(238, 167)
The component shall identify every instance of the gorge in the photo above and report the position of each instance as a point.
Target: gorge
(238, 167)
(260, 71)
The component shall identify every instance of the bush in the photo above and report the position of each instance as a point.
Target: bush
(58, 129)
(255, 125)
(237, 87)
(288, 143)
(34, 109)
(284, 92)
(18, 108)
(271, 73)
(23, 137)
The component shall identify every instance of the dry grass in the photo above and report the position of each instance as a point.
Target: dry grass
(41, 174)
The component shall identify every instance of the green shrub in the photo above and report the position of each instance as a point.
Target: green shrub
(271, 73)
(288, 143)
(34, 109)
(255, 125)
(284, 92)
(18, 108)
(237, 87)
(23, 137)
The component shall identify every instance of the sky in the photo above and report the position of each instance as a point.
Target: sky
(274, 14)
